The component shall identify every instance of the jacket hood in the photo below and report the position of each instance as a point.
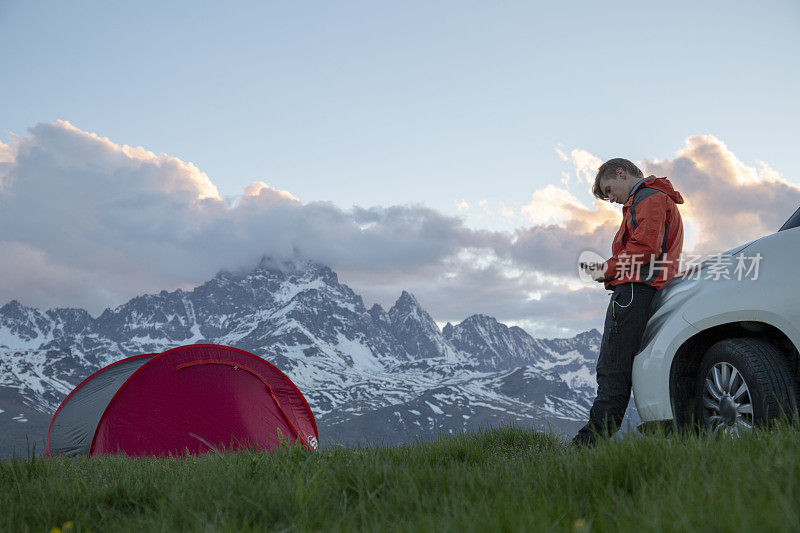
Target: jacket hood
(663, 185)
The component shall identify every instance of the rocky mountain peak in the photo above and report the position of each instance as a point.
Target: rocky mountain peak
(417, 331)
(408, 308)
(15, 313)
(379, 315)
(11, 308)
(483, 326)
(70, 321)
(493, 345)
(406, 298)
(480, 320)
(358, 368)
(589, 336)
(29, 325)
(295, 268)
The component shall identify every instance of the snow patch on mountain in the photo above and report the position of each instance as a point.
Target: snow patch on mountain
(351, 363)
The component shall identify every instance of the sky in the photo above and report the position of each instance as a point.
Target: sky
(445, 148)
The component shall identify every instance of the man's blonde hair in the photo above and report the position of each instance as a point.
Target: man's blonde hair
(609, 170)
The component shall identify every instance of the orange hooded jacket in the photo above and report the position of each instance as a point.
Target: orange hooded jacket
(648, 244)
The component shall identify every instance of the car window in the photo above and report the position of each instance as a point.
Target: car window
(793, 221)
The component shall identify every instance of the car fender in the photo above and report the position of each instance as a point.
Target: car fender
(651, 368)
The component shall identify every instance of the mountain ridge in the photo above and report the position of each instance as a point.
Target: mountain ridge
(348, 360)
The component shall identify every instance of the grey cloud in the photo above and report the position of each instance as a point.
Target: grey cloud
(85, 222)
(543, 305)
(106, 222)
(555, 249)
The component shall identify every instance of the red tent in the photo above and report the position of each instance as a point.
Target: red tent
(190, 399)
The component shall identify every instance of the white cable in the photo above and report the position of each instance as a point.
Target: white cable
(629, 303)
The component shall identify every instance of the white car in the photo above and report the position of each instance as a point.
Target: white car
(721, 348)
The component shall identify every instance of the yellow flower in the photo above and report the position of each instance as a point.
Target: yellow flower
(581, 525)
(68, 527)
(55, 530)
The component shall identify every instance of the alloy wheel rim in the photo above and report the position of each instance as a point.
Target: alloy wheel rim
(727, 404)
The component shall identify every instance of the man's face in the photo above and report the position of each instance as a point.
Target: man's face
(616, 188)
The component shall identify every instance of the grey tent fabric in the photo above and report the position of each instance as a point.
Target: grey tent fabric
(76, 421)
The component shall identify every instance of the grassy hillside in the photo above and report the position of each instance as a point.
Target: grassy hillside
(499, 479)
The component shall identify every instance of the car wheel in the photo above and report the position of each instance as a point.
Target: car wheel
(743, 383)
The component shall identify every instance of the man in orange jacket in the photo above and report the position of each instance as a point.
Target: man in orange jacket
(645, 255)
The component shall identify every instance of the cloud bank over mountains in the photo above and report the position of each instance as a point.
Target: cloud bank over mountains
(85, 222)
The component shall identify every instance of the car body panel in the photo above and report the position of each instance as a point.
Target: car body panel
(686, 307)
(651, 369)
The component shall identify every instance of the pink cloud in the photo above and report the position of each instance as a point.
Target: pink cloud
(86, 222)
(727, 201)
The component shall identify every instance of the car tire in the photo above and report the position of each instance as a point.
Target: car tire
(742, 383)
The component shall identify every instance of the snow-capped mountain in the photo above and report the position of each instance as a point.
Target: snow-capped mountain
(369, 375)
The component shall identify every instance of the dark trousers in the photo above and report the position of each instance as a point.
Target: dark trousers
(626, 317)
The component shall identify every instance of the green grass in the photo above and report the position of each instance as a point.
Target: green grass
(506, 479)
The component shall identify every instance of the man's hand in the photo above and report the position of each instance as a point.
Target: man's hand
(598, 275)
(597, 272)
